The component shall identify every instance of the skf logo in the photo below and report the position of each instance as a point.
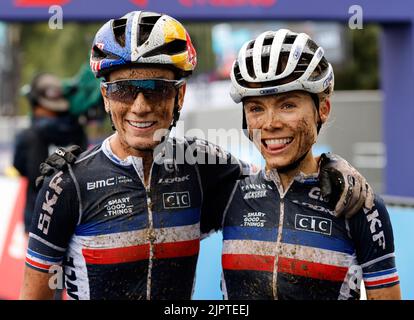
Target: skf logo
(313, 224)
(375, 226)
(48, 205)
(100, 184)
(175, 200)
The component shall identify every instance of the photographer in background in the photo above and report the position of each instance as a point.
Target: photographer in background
(51, 126)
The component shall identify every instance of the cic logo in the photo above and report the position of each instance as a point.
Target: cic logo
(313, 224)
(175, 200)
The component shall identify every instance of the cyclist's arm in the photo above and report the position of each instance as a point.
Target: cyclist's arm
(391, 293)
(36, 285)
(372, 233)
(218, 174)
(55, 217)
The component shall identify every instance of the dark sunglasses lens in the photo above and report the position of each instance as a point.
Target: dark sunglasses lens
(122, 92)
(160, 91)
(154, 91)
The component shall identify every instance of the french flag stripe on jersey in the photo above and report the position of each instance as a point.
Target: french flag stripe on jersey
(247, 262)
(249, 233)
(37, 265)
(176, 218)
(116, 255)
(377, 278)
(285, 265)
(129, 223)
(317, 240)
(379, 273)
(141, 252)
(373, 283)
(311, 269)
(42, 257)
(176, 249)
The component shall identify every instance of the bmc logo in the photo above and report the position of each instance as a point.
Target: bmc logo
(100, 184)
(175, 200)
(313, 224)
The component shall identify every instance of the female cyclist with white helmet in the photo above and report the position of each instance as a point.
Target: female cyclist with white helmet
(121, 223)
(282, 239)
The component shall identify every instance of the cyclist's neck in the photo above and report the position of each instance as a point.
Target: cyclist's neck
(122, 151)
(308, 165)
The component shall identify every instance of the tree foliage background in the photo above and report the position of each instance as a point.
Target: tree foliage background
(64, 51)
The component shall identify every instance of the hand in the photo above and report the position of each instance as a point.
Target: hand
(57, 161)
(343, 187)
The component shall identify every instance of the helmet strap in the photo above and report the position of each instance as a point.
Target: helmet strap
(176, 113)
(316, 102)
(176, 116)
(112, 122)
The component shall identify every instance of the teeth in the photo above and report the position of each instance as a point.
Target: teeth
(279, 141)
(141, 124)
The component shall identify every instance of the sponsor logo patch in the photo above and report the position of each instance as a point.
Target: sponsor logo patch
(313, 224)
(117, 207)
(175, 200)
(255, 194)
(174, 179)
(107, 182)
(254, 219)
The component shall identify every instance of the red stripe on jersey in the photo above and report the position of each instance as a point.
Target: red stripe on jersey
(247, 262)
(382, 281)
(116, 255)
(311, 269)
(176, 249)
(37, 264)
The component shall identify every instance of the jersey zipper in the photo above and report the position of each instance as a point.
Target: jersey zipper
(278, 245)
(150, 232)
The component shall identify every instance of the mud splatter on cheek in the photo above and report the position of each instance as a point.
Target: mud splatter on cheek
(305, 133)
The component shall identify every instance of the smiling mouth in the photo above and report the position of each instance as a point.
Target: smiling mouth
(141, 124)
(274, 145)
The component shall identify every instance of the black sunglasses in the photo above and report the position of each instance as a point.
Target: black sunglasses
(154, 90)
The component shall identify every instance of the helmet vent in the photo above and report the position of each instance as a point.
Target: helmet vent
(290, 39)
(119, 27)
(266, 58)
(145, 27)
(171, 48)
(250, 68)
(98, 53)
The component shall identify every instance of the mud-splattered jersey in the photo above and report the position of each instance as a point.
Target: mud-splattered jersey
(289, 245)
(117, 238)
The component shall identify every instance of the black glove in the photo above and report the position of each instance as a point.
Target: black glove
(56, 162)
(342, 186)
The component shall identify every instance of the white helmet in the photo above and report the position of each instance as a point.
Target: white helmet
(258, 63)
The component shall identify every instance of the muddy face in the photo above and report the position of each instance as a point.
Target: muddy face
(137, 122)
(283, 126)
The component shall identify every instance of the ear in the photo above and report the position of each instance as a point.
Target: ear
(181, 94)
(106, 101)
(324, 110)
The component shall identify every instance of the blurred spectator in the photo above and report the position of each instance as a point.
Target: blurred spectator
(83, 91)
(51, 126)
